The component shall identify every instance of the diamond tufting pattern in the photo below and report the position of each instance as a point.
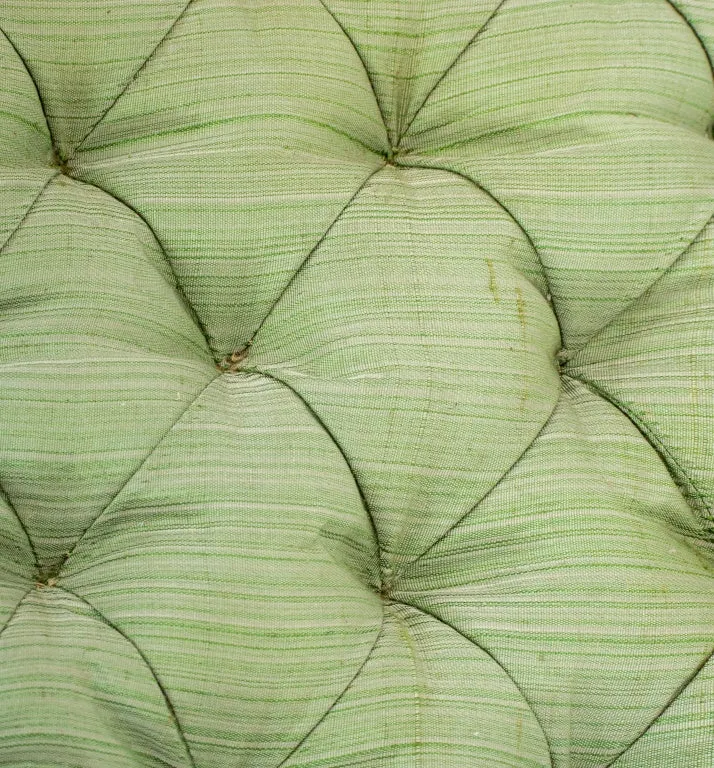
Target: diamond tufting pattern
(356, 383)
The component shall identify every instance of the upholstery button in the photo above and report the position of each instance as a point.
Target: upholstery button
(52, 582)
(231, 362)
(59, 162)
(562, 357)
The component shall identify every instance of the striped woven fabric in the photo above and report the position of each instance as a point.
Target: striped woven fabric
(356, 384)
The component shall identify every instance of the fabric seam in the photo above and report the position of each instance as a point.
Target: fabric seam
(324, 427)
(673, 699)
(133, 78)
(500, 666)
(177, 283)
(451, 66)
(11, 506)
(473, 508)
(670, 268)
(513, 219)
(362, 61)
(655, 443)
(694, 31)
(167, 699)
(14, 611)
(315, 247)
(174, 424)
(332, 706)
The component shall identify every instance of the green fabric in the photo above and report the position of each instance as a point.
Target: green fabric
(356, 384)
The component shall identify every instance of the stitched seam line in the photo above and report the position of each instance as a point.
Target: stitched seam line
(138, 469)
(669, 703)
(497, 662)
(662, 451)
(511, 216)
(650, 287)
(691, 26)
(676, 9)
(15, 610)
(404, 72)
(491, 490)
(131, 80)
(451, 66)
(337, 700)
(322, 239)
(29, 210)
(31, 76)
(177, 286)
(332, 437)
(362, 61)
(560, 118)
(167, 700)
(12, 509)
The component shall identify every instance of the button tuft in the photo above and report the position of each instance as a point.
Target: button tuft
(231, 363)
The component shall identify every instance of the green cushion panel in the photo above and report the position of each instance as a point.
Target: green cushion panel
(356, 384)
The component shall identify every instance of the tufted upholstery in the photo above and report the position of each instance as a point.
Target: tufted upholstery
(356, 383)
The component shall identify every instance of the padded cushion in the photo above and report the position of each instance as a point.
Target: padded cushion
(356, 383)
